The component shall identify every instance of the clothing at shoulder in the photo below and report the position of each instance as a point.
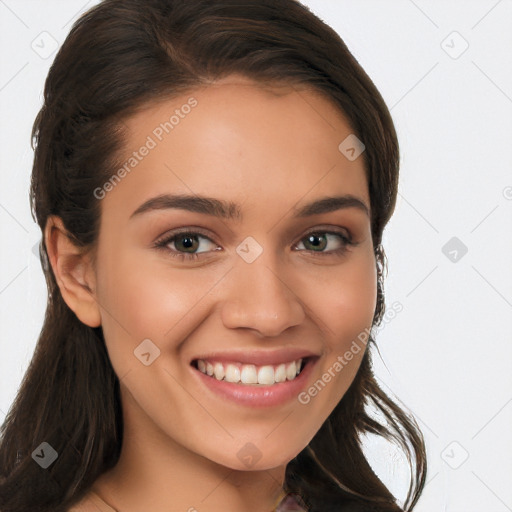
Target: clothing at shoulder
(290, 503)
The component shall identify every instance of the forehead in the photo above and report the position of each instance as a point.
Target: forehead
(238, 138)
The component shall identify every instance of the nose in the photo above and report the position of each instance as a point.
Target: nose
(259, 298)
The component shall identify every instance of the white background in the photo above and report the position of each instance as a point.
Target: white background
(448, 354)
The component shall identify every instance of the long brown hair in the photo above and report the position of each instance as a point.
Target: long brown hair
(120, 56)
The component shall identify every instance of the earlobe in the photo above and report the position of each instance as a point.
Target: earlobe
(73, 272)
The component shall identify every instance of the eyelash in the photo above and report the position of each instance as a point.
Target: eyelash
(162, 243)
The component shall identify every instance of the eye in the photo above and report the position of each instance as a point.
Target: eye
(186, 245)
(318, 241)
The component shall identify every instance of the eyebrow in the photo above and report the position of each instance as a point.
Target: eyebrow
(232, 211)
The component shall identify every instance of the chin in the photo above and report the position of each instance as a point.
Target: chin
(249, 458)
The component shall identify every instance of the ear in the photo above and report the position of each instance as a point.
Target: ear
(73, 272)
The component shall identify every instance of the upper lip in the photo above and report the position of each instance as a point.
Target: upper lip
(258, 357)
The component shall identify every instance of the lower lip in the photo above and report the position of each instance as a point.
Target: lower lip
(258, 396)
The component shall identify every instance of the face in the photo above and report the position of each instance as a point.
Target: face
(262, 273)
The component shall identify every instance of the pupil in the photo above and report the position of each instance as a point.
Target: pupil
(188, 241)
(316, 241)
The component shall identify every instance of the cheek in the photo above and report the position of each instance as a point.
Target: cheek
(147, 301)
(356, 306)
(346, 309)
(344, 306)
(346, 300)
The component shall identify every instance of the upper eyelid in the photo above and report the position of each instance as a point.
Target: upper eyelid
(166, 239)
(347, 238)
(172, 233)
(343, 232)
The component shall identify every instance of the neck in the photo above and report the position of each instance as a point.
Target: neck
(155, 473)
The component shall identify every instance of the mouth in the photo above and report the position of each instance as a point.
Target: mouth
(245, 374)
(253, 378)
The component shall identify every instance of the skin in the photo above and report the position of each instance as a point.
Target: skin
(271, 152)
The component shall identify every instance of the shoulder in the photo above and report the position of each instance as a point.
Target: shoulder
(91, 502)
(85, 505)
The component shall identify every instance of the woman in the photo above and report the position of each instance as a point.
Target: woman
(212, 180)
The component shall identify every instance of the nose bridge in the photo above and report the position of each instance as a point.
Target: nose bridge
(259, 298)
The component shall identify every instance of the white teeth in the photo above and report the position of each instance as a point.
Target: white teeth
(218, 371)
(249, 373)
(280, 373)
(232, 373)
(291, 371)
(266, 375)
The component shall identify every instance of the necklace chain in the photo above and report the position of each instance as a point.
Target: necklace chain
(275, 509)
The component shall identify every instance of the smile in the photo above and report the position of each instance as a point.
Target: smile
(250, 374)
(254, 378)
